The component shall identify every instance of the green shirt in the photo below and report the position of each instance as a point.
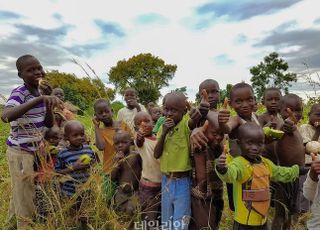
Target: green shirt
(239, 171)
(176, 150)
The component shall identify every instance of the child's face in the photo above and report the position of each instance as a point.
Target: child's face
(296, 107)
(213, 93)
(147, 123)
(272, 100)
(130, 97)
(122, 142)
(243, 102)
(54, 137)
(75, 135)
(31, 72)
(156, 112)
(175, 108)
(214, 135)
(58, 93)
(252, 143)
(314, 116)
(104, 113)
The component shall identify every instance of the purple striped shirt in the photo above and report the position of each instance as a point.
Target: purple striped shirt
(26, 131)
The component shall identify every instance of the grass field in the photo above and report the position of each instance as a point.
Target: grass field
(94, 207)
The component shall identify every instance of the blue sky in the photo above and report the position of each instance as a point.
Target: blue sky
(205, 39)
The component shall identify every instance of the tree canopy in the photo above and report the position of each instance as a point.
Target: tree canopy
(80, 91)
(271, 72)
(144, 72)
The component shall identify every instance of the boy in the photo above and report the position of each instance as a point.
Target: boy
(207, 189)
(70, 161)
(67, 114)
(212, 88)
(127, 114)
(173, 150)
(311, 190)
(28, 113)
(243, 102)
(250, 174)
(290, 151)
(156, 113)
(104, 139)
(125, 173)
(271, 118)
(150, 182)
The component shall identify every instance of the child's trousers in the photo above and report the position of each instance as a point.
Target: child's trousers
(175, 203)
(23, 189)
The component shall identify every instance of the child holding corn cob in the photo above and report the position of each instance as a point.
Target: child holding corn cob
(150, 182)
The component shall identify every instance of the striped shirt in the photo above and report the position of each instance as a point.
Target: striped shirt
(66, 158)
(26, 131)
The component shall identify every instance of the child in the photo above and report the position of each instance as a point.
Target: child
(161, 119)
(46, 165)
(104, 139)
(71, 162)
(67, 114)
(311, 190)
(311, 132)
(207, 189)
(126, 174)
(243, 102)
(212, 88)
(290, 151)
(250, 174)
(271, 118)
(127, 114)
(173, 150)
(155, 113)
(150, 182)
(28, 113)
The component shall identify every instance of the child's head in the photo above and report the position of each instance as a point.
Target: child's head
(143, 120)
(74, 133)
(30, 70)
(314, 115)
(251, 140)
(59, 119)
(213, 89)
(130, 97)
(53, 135)
(122, 141)
(103, 111)
(155, 113)
(293, 102)
(214, 133)
(242, 99)
(150, 105)
(271, 99)
(175, 106)
(58, 92)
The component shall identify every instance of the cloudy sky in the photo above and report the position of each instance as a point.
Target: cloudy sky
(217, 39)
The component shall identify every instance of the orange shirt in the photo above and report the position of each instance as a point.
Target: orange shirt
(109, 151)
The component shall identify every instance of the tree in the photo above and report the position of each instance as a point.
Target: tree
(144, 72)
(271, 73)
(181, 89)
(82, 92)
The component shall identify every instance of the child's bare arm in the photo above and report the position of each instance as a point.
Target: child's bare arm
(166, 127)
(195, 117)
(100, 142)
(12, 113)
(139, 139)
(116, 170)
(222, 164)
(49, 117)
(198, 138)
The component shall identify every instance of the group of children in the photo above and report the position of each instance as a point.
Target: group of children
(169, 163)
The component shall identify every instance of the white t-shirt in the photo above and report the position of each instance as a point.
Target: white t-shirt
(127, 115)
(150, 165)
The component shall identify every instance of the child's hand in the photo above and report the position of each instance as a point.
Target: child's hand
(168, 125)
(52, 101)
(198, 138)
(289, 126)
(272, 123)
(204, 106)
(78, 165)
(119, 156)
(140, 135)
(96, 122)
(315, 168)
(222, 163)
(195, 114)
(223, 116)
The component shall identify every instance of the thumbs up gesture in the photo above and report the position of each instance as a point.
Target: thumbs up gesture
(198, 138)
(224, 113)
(204, 104)
(222, 163)
(315, 168)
